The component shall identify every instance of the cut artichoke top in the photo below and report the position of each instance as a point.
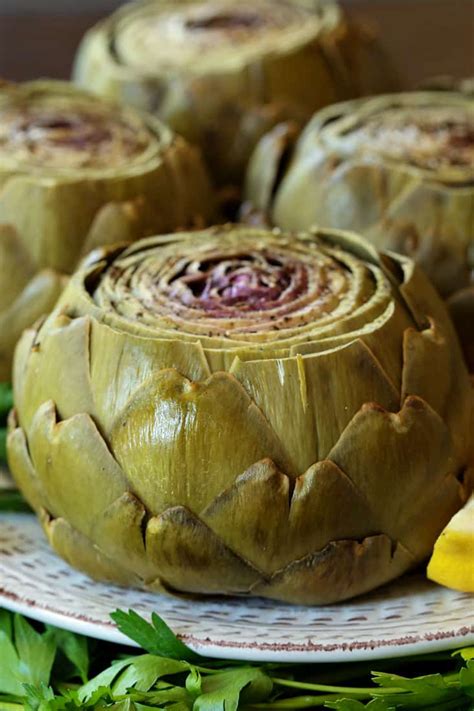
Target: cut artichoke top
(243, 293)
(427, 138)
(51, 126)
(430, 132)
(199, 36)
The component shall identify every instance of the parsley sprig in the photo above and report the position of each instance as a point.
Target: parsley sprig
(46, 669)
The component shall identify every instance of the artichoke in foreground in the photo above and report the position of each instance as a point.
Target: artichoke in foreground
(222, 72)
(397, 168)
(76, 172)
(244, 412)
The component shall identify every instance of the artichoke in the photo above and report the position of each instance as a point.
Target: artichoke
(221, 72)
(77, 172)
(397, 168)
(244, 412)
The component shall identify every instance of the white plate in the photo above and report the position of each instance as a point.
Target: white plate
(407, 617)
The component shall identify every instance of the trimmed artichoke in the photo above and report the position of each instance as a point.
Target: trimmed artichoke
(244, 412)
(77, 172)
(222, 72)
(399, 169)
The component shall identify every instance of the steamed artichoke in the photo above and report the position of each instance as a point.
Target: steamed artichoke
(244, 412)
(77, 172)
(399, 169)
(221, 72)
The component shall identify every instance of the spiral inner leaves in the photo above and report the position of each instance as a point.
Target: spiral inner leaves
(275, 295)
(430, 137)
(65, 132)
(164, 34)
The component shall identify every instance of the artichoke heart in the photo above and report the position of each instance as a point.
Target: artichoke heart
(77, 172)
(397, 168)
(222, 72)
(254, 412)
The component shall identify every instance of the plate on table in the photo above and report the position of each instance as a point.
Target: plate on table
(409, 616)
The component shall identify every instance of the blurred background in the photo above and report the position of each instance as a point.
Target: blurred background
(424, 37)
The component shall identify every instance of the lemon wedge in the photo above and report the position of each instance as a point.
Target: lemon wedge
(452, 562)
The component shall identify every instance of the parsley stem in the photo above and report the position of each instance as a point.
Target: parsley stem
(297, 702)
(347, 690)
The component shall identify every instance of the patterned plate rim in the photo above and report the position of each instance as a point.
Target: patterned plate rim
(225, 649)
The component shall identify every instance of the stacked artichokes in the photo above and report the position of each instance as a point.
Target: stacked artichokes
(76, 172)
(398, 168)
(255, 412)
(221, 72)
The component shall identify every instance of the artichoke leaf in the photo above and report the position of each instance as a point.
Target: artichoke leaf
(340, 571)
(412, 453)
(190, 440)
(238, 515)
(114, 223)
(120, 530)
(16, 265)
(24, 472)
(74, 451)
(191, 558)
(82, 554)
(345, 377)
(326, 506)
(63, 357)
(430, 347)
(37, 298)
(132, 362)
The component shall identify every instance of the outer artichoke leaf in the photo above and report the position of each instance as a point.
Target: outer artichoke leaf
(409, 451)
(23, 351)
(299, 188)
(340, 381)
(440, 503)
(121, 364)
(195, 201)
(190, 557)
(429, 359)
(263, 168)
(71, 208)
(57, 369)
(16, 265)
(339, 571)
(323, 188)
(115, 222)
(82, 554)
(37, 298)
(251, 516)
(119, 532)
(423, 302)
(74, 449)
(22, 468)
(190, 440)
(325, 507)
(433, 224)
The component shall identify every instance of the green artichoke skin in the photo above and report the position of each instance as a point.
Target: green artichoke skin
(222, 72)
(255, 412)
(77, 172)
(409, 189)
